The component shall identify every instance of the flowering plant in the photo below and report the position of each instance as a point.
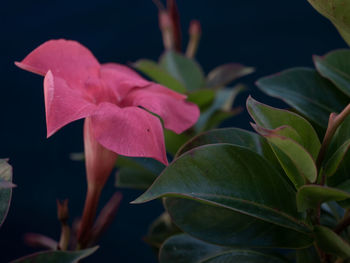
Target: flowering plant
(279, 194)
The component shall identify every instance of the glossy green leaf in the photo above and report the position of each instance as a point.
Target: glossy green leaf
(127, 177)
(5, 188)
(295, 160)
(247, 256)
(338, 12)
(57, 256)
(223, 75)
(223, 227)
(309, 196)
(235, 136)
(335, 66)
(272, 118)
(220, 116)
(185, 70)
(238, 188)
(335, 160)
(161, 229)
(174, 141)
(307, 255)
(224, 100)
(330, 242)
(137, 173)
(203, 98)
(158, 74)
(337, 151)
(186, 249)
(306, 91)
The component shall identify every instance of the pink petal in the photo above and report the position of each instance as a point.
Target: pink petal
(67, 59)
(177, 114)
(63, 104)
(122, 69)
(161, 89)
(129, 131)
(121, 79)
(99, 161)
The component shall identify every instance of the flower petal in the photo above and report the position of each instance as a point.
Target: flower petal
(121, 79)
(177, 114)
(129, 131)
(63, 104)
(67, 59)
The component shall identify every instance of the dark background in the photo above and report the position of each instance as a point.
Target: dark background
(269, 35)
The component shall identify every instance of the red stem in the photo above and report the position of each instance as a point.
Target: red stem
(89, 214)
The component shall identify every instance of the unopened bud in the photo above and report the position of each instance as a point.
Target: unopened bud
(195, 32)
(174, 15)
(106, 217)
(195, 28)
(166, 26)
(62, 210)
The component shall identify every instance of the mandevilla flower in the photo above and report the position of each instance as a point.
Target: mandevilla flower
(114, 98)
(116, 102)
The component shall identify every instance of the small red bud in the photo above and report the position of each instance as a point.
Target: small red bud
(195, 28)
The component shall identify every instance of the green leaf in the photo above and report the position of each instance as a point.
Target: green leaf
(223, 227)
(57, 256)
(306, 91)
(335, 66)
(237, 189)
(295, 160)
(338, 12)
(158, 74)
(137, 173)
(186, 249)
(336, 149)
(128, 177)
(272, 118)
(336, 159)
(234, 136)
(203, 98)
(185, 70)
(224, 100)
(244, 255)
(307, 255)
(5, 188)
(174, 141)
(223, 75)
(330, 242)
(220, 116)
(161, 229)
(309, 196)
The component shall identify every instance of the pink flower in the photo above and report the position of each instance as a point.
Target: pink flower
(116, 100)
(116, 103)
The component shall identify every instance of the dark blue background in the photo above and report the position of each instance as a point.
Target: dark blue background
(269, 35)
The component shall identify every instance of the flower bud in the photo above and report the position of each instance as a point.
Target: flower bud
(166, 27)
(195, 32)
(174, 14)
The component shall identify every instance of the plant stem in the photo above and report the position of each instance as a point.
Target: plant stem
(89, 214)
(334, 122)
(63, 216)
